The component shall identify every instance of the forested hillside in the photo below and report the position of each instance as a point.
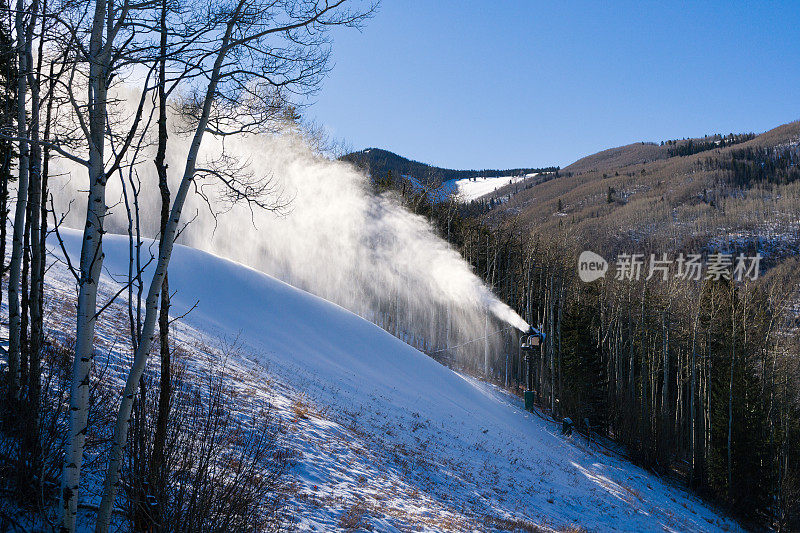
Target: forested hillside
(698, 377)
(379, 163)
(744, 194)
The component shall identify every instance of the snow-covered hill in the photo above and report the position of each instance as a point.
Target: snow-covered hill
(474, 188)
(410, 443)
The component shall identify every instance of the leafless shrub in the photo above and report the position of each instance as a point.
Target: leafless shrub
(301, 408)
(32, 481)
(354, 517)
(225, 467)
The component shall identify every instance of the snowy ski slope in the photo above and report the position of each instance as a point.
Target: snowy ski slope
(412, 442)
(473, 188)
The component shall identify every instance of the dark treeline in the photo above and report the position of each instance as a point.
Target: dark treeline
(694, 146)
(751, 166)
(380, 162)
(697, 379)
(412, 191)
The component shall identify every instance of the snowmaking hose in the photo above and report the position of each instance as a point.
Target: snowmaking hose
(474, 340)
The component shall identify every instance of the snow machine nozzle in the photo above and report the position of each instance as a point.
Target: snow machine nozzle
(531, 340)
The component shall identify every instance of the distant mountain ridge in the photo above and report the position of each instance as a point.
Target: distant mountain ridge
(640, 153)
(378, 163)
(738, 193)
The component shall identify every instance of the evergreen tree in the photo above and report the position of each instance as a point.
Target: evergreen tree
(584, 377)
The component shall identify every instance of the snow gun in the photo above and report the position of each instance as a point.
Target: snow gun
(531, 340)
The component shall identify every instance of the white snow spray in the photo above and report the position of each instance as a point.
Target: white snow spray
(337, 240)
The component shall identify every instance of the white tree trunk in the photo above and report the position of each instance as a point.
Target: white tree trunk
(34, 199)
(91, 263)
(14, 347)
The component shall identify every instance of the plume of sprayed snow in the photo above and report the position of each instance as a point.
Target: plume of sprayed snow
(337, 240)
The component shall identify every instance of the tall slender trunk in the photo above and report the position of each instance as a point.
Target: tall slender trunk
(4, 211)
(631, 361)
(25, 293)
(9, 108)
(505, 382)
(36, 270)
(665, 440)
(551, 322)
(34, 201)
(486, 345)
(91, 263)
(158, 477)
(730, 393)
(692, 406)
(32, 207)
(34, 387)
(15, 269)
(559, 317)
(448, 326)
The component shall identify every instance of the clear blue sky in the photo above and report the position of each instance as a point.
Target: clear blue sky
(487, 84)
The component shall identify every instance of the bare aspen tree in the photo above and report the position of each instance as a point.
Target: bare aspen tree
(111, 22)
(165, 381)
(7, 111)
(30, 447)
(34, 192)
(34, 198)
(23, 30)
(244, 72)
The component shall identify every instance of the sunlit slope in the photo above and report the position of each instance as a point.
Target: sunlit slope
(473, 188)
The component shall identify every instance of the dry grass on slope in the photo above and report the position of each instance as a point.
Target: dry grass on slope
(671, 203)
(621, 156)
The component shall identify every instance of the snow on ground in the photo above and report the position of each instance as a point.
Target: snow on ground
(473, 188)
(390, 433)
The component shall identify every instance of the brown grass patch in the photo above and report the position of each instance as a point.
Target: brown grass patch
(354, 517)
